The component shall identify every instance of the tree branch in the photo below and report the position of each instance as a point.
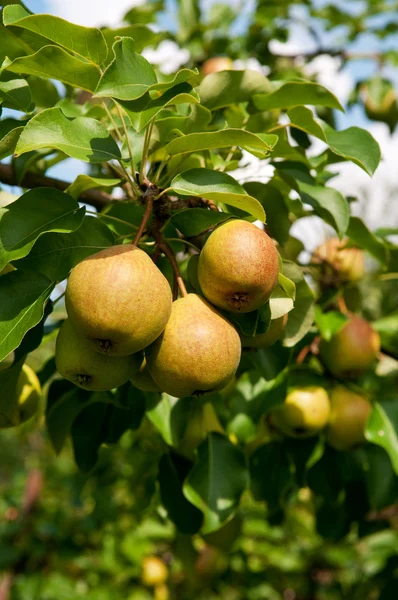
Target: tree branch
(95, 198)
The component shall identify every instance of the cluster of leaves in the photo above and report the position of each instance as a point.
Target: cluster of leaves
(132, 125)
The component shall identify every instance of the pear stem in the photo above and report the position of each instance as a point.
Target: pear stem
(165, 248)
(145, 219)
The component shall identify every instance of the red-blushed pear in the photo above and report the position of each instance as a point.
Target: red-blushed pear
(28, 392)
(199, 350)
(153, 571)
(336, 259)
(118, 300)
(142, 379)
(352, 350)
(304, 413)
(77, 361)
(264, 340)
(238, 267)
(348, 417)
(215, 64)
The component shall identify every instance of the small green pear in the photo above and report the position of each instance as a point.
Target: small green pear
(304, 412)
(77, 361)
(118, 300)
(264, 340)
(238, 267)
(348, 416)
(352, 350)
(337, 260)
(143, 380)
(28, 392)
(198, 352)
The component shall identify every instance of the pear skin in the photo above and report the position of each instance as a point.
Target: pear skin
(352, 350)
(78, 362)
(304, 413)
(198, 352)
(118, 300)
(238, 267)
(143, 381)
(348, 416)
(267, 339)
(348, 263)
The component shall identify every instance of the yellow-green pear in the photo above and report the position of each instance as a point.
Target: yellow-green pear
(198, 352)
(304, 412)
(118, 300)
(348, 416)
(264, 340)
(352, 350)
(154, 571)
(238, 266)
(77, 361)
(336, 259)
(28, 392)
(142, 379)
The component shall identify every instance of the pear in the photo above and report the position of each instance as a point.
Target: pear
(28, 392)
(118, 300)
(336, 259)
(198, 352)
(304, 413)
(352, 350)
(143, 380)
(348, 416)
(77, 361)
(154, 571)
(238, 267)
(264, 340)
(217, 63)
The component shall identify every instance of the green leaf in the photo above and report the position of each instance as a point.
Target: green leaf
(280, 302)
(172, 471)
(84, 182)
(388, 329)
(271, 476)
(56, 254)
(193, 221)
(231, 87)
(278, 222)
(128, 76)
(382, 428)
(329, 323)
(302, 316)
(52, 62)
(216, 481)
(360, 234)
(296, 93)
(169, 415)
(227, 138)
(9, 409)
(39, 211)
(143, 36)
(353, 144)
(16, 94)
(328, 203)
(22, 298)
(86, 42)
(88, 432)
(10, 130)
(82, 138)
(217, 186)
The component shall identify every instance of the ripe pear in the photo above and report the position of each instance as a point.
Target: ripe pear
(142, 379)
(28, 392)
(352, 350)
(304, 413)
(348, 416)
(347, 263)
(118, 300)
(198, 352)
(238, 267)
(264, 340)
(215, 64)
(77, 361)
(154, 571)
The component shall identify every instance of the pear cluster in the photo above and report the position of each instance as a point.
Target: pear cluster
(122, 324)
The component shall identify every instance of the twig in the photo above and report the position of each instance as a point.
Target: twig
(165, 248)
(145, 218)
